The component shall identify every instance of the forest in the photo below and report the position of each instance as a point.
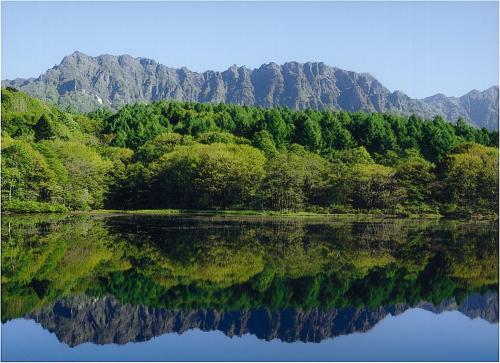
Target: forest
(197, 156)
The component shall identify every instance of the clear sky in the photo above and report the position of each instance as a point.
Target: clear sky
(420, 48)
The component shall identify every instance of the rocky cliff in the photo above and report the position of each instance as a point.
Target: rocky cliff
(85, 83)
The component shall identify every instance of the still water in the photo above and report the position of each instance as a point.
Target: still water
(130, 287)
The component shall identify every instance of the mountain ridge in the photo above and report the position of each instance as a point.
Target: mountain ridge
(85, 83)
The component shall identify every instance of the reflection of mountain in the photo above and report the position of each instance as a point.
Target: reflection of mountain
(103, 321)
(475, 306)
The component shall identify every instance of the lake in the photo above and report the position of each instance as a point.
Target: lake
(143, 287)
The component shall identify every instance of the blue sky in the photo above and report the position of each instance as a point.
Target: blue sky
(420, 48)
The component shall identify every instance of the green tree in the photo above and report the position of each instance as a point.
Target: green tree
(415, 175)
(438, 139)
(161, 144)
(88, 174)
(334, 134)
(26, 175)
(263, 140)
(357, 155)
(274, 123)
(283, 186)
(295, 179)
(215, 175)
(44, 128)
(133, 125)
(213, 137)
(370, 186)
(471, 176)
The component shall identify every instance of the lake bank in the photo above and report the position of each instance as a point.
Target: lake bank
(376, 214)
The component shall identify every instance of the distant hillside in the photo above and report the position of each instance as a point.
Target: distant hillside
(86, 83)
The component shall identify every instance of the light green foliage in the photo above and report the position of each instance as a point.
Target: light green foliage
(471, 176)
(26, 118)
(87, 174)
(31, 206)
(264, 141)
(19, 104)
(283, 186)
(213, 137)
(215, 175)
(415, 175)
(371, 186)
(26, 174)
(297, 178)
(161, 144)
(357, 155)
(56, 263)
(120, 158)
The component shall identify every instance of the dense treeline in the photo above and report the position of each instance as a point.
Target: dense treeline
(198, 156)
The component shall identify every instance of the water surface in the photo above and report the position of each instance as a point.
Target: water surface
(215, 288)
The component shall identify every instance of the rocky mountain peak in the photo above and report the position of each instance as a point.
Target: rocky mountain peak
(80, 81)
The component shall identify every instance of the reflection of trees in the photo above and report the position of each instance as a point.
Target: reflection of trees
(45, 259)
(214, 262)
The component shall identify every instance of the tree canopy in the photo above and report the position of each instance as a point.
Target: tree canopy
(194, 155)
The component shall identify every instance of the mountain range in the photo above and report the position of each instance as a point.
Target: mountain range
(84, 83)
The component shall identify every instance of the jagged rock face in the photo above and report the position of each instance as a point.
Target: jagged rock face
(103, 321)
(86, 83)
(479, 107)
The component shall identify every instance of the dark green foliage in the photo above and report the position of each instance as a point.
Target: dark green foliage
(308, 131)
(438, 139)
(318, 131)
(132, 126)
(44, 129)
(100, 114)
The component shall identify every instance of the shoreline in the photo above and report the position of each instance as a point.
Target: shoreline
(254, 213)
